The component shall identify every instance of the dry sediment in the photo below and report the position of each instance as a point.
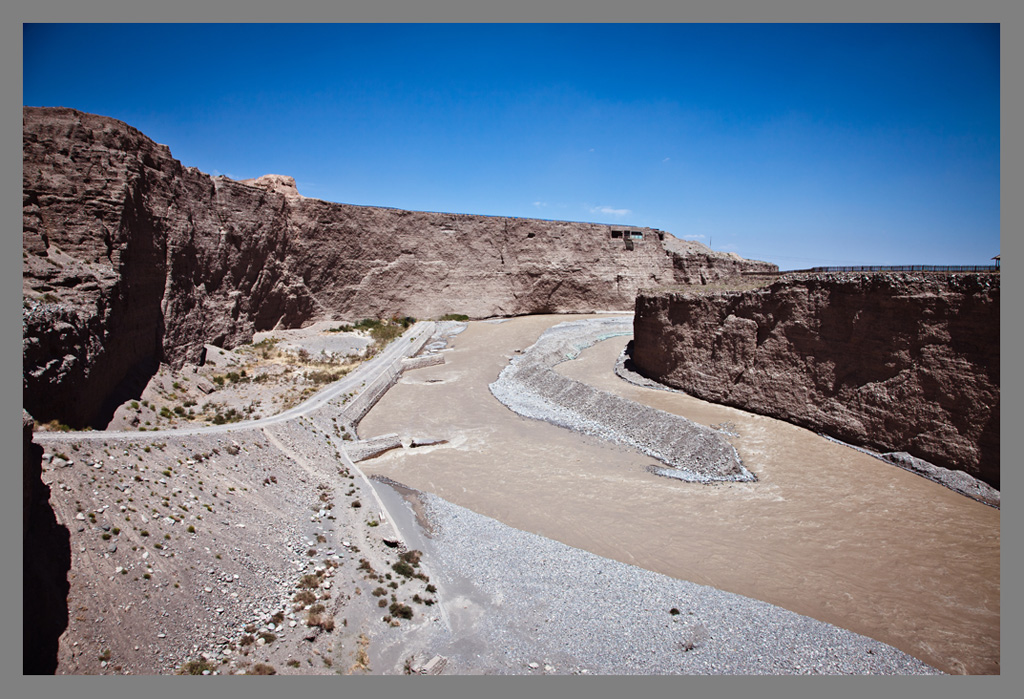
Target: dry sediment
(189, 550)
(622, 623)
(531, 388)
(548, 608)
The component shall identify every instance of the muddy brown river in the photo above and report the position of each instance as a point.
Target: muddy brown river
(826, 531)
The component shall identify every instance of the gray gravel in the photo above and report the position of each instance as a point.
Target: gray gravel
(542, 607)
(530, 387)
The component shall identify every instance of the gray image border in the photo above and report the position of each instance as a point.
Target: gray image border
(531, 11)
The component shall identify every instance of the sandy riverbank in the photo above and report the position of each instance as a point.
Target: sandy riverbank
(826, 532)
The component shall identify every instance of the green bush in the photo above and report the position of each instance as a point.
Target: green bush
(403, 568)
(400, 610)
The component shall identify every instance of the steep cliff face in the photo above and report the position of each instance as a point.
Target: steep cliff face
(894, 362)
(46, 553)
(131, 259)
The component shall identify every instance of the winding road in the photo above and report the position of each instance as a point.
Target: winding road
(357, 382)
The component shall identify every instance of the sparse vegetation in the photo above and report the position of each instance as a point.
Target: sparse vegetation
(304, 597)
(309, 581)
(400, 610)
(197, 667)
(407, 563)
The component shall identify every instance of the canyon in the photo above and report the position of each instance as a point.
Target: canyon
(131, 260)
(896, 362)
(135, 265)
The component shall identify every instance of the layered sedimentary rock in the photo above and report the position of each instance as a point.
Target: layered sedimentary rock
(46, 553)
(131, 259)
(893, 362)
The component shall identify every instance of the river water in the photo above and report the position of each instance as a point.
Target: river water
(826, 531)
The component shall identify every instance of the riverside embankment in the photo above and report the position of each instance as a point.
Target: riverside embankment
(826, 531)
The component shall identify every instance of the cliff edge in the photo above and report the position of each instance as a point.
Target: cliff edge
(131, 259)
(888, 361)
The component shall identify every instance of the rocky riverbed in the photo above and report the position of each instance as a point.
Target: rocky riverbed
(531, 388)
(267, 551)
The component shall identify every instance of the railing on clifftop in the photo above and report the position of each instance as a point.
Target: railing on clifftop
(902, 268)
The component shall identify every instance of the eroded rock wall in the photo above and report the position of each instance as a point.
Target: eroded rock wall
(46, 560)
(893, 362)
(131, 259)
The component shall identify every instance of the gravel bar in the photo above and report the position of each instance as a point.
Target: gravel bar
(530, 387)
(547, 608)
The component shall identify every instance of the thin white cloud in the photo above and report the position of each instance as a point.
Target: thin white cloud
(665, 160)
(698, 236)
(610, 211)
(540, 204)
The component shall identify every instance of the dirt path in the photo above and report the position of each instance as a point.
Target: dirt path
(826, 531)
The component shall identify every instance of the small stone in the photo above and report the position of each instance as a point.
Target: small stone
(534, 666)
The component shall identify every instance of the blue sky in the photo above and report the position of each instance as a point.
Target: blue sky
(802, 145)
